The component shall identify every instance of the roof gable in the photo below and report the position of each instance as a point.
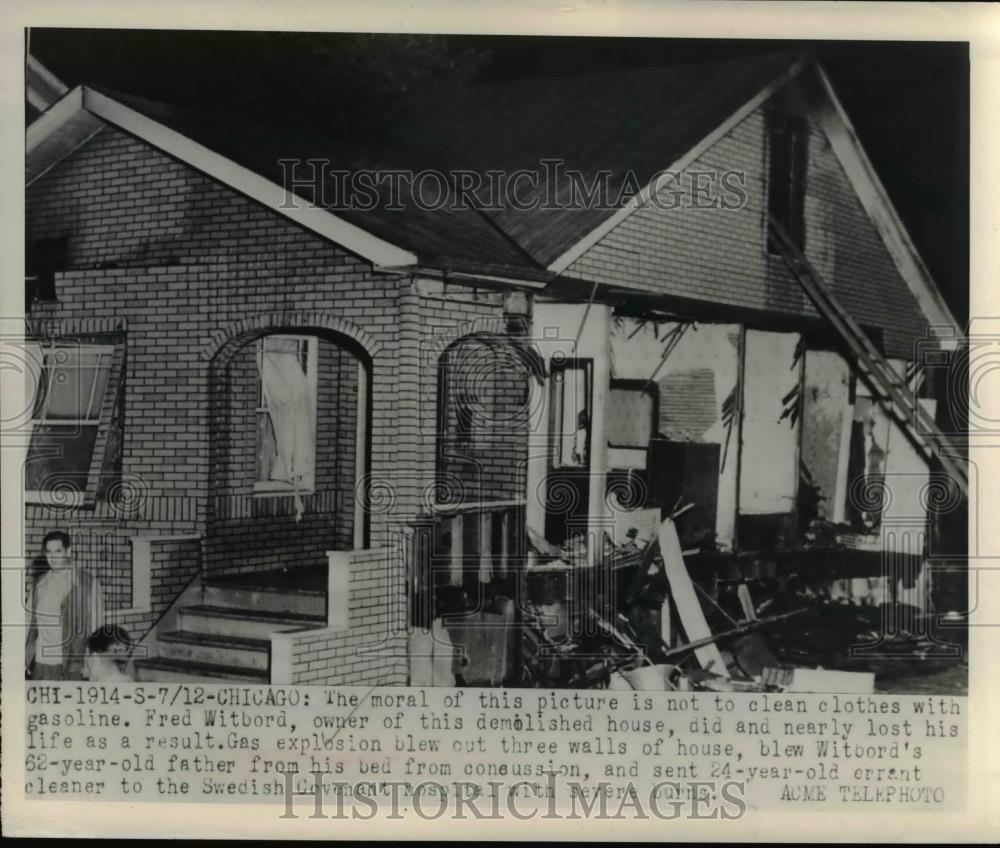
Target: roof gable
(627, 124)
(82, 112)
(637, 122)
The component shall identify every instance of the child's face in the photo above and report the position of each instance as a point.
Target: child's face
(96, 665)
(92, 665)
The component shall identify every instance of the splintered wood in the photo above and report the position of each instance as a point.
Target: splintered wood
(688, 606)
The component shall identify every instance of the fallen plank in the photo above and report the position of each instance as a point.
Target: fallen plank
(689, 609)
(746, 602)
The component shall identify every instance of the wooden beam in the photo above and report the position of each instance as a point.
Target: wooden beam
(688, 606)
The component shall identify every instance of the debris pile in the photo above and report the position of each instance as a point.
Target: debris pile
(636, 620)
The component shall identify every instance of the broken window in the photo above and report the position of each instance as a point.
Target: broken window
(286, 413)
(695, 371)
(631, 421)
(69, 397)
(571, 416)
(786, 145)
(572, 387)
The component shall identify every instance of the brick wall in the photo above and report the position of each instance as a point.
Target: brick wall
(175, 563)
(372, 648)
(720, 255)
(193, 269)
(196, 272)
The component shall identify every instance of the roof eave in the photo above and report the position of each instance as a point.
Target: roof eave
(57, 133)
(837, 127)
(43, 87)
(82, 112)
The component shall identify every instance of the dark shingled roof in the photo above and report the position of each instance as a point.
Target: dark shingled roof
(634, 121)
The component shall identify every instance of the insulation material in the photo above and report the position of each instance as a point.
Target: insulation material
(697, 385)
(770, 448)
(871, 425)
(826, 423)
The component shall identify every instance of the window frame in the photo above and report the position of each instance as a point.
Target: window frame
(112, 385)
(647, 387)
(557, 410)
(797, 167)
(281, 488)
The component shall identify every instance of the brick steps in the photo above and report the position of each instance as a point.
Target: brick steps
(164, 670)
(182, 646)
(222, 632)
(268, 598)
(241, 622)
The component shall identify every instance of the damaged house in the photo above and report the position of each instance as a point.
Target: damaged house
(435, 442)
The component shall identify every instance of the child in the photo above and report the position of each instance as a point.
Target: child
(107, 652)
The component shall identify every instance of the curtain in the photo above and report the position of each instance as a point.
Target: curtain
(290, 403)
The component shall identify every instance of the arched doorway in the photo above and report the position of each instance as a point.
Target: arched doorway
(289, 449)
(473, 536)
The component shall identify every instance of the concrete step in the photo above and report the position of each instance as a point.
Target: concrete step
(250, 596)
(182, 646)
(165, 671)
(242, 623)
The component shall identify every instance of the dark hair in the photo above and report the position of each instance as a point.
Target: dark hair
(57, 536)
(104, 637)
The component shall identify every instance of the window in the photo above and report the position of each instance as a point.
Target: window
(571, 413)
(462, 403)
(286, 413)
(482, 420)
(43, 258)
(786, 143)
(631, 422)
(66, 415)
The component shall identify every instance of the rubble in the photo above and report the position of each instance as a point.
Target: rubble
(794, 640)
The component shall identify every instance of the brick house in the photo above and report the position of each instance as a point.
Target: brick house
(290, 426)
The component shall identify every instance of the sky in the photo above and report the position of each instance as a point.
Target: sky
(908, 101)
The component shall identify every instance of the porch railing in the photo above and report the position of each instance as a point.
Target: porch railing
(467, 546)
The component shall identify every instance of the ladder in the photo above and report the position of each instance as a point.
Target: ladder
(890, 387)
